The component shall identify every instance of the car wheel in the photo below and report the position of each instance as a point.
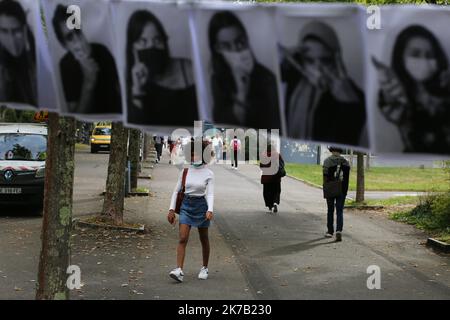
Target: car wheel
(93, 150)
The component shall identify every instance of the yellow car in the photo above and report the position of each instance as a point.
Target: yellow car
(101, 139)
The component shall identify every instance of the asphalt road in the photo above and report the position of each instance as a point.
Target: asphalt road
(285, 256)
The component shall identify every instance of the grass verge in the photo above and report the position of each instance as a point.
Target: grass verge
(381, 179)
(432, 214)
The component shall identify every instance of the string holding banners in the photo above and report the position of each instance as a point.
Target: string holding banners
(81, 42)
(155, 64)
(237, 56)
(410, 81)
(18, 84)
(322, 72)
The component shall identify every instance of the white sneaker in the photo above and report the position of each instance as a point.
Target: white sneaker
(328, 235)
(203, 274)
(177, 274)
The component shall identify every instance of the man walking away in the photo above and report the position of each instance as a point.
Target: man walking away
(235, 146)
(158, 146)
(336, 172)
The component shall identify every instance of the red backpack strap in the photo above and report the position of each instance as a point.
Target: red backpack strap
(183, 181)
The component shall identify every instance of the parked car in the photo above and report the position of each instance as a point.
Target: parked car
(23, 150)
(101, 138)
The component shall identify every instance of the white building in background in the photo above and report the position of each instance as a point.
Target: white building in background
(309, 153)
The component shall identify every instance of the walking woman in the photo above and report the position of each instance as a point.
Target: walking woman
(196, 209)
(271, 178)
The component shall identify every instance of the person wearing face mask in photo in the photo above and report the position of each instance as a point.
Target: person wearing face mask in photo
(322, 102)
(88, 71)
(162, 89)
(17, 55)
(415, 91)
(197, 206)
(244, 91)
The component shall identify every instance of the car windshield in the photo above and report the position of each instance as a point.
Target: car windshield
(20, 146)
(102, 132)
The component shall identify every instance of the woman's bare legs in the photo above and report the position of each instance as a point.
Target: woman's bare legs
(182, 243)
(203, 233)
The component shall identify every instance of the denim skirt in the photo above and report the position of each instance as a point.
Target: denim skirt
(193, 212)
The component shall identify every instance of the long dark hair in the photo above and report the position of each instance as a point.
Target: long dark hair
(398, 64)
(14, 9)
(136, 24)
(221, 71)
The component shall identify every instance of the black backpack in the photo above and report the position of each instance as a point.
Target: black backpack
(281, 170)
(333, 188)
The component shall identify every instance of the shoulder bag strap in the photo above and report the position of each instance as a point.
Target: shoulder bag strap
(183, 181)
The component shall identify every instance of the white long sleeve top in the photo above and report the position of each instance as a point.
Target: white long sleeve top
(199, 182)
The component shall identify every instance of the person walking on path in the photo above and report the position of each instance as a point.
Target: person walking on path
(336, 172)
(158, 146)
(217, 145)
(271, 179)
(235, 146)
(196, 208)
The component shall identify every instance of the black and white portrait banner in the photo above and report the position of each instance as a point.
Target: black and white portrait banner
(154, 58)
(409, 83)
(315, 71)
(321, 51)
(18, 62)
(238, 62)
(81, 42)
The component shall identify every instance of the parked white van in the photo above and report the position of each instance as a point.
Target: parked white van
(23, 150)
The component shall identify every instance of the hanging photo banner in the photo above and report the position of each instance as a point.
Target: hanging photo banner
(155, 64)
(238, 65)
(321, 60)
(81, 43)
(18, 84)
(410, 80)
(48, 95)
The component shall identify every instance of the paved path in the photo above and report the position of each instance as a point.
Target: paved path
(285, 256)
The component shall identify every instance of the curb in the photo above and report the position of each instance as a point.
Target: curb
(79, 223)
(305, 182)
(364, 207)
(438, 245)
(138, 194)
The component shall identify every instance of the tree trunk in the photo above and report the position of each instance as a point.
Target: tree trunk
(133, 154)
(360, 177)
(57, 221)
(147, 146)
(113, 203)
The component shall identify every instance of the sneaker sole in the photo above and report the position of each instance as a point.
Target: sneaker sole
(174, 277)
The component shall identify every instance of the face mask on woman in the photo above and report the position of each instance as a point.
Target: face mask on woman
(154, 59)
(240, 60)
(420, 69)
(197, 163)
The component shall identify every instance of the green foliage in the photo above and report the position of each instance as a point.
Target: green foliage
(390, 202)
(16, 116)
(432, 214)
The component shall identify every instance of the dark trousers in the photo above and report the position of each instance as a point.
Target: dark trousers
(235, 158)
(271, 193)
(158, 147)
(337, 203)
